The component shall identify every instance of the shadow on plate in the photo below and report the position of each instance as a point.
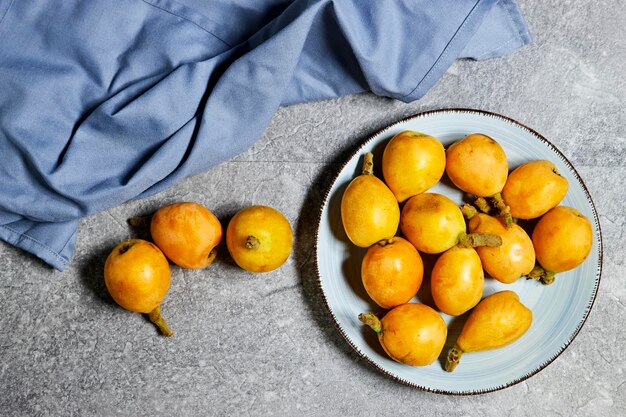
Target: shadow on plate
(304, 254)
(454, 330)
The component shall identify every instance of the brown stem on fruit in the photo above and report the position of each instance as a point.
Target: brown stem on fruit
(368, 164)
(385, 242)
(371, 320)
(541, 275)
(502, 208)
(468, 211)
(454, 356)
(472, 240)
(140, 221)
(483, 205)
(252, 242)
(156, 318)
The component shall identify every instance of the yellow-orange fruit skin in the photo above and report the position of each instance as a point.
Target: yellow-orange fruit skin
(432, 222)
(412, 163)
(187, 233)
(496, 321)
(137, 275)
(272, 231)
(392, 272)
(534, 188)
(514, 258)
(369, 211)
(457, 280)
(562, 238)
(477, 165)
(413, 334)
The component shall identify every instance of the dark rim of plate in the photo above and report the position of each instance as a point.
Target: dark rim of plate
(360, 148)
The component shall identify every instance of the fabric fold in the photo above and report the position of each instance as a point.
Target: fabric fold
(104, 101)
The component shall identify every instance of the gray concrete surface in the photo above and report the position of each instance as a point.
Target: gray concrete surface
(263, 344)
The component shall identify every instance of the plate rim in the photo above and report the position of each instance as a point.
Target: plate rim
(565, 160)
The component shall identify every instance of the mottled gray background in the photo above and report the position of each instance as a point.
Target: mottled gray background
(263, 344)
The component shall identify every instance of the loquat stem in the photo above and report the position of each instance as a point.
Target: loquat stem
(385, 242)
(472, 240)
(372, 321)
(541, 275)
(468, 211)
(454, 356)
(502, 208)
(156, 318)
(483, 205)
(252, 242)
(368, 164)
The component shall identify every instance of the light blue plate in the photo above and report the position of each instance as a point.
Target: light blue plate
(559, 310)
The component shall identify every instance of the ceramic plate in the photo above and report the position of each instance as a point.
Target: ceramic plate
(559, 310)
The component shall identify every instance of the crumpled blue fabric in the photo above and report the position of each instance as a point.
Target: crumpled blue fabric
(103, 101)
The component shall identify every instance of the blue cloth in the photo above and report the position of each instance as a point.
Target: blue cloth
(102, 101)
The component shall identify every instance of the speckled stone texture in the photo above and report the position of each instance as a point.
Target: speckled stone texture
(263, 344)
